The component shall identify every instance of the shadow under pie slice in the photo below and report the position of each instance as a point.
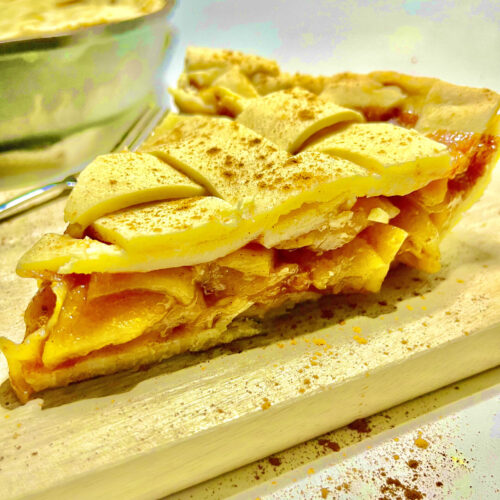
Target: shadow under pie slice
(311, 186)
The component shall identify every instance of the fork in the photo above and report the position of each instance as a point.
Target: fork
(141, 128)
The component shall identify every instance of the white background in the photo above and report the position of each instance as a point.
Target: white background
(458, 41)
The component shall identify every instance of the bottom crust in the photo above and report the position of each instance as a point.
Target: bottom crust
(27, 379)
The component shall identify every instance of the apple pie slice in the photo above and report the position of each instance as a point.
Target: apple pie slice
(270, 189)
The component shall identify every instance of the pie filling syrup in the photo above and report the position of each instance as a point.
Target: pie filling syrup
(99, 310)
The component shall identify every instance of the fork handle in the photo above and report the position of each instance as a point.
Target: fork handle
(33, 198)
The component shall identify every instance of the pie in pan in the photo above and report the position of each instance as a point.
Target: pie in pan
(267, 190)
(39, 18)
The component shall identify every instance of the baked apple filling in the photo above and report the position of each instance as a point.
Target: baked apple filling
(74, 316)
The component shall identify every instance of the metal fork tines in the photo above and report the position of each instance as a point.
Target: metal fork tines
(133, 138)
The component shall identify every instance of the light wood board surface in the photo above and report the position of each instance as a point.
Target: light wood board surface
(363, 460)
(147, 434)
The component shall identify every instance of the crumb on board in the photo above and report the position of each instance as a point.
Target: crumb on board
(360, 340)
(319, 341)
(421, 442)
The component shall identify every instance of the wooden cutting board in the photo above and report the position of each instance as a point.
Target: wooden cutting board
(147, 434)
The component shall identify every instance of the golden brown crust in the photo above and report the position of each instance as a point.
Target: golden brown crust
(452, 107)
(199, 58)
(436, 104)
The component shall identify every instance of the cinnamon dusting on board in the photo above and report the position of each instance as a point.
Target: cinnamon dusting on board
(360, 425)
(324, 492)
(394, 486)
(274, 461)
(329, 444)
